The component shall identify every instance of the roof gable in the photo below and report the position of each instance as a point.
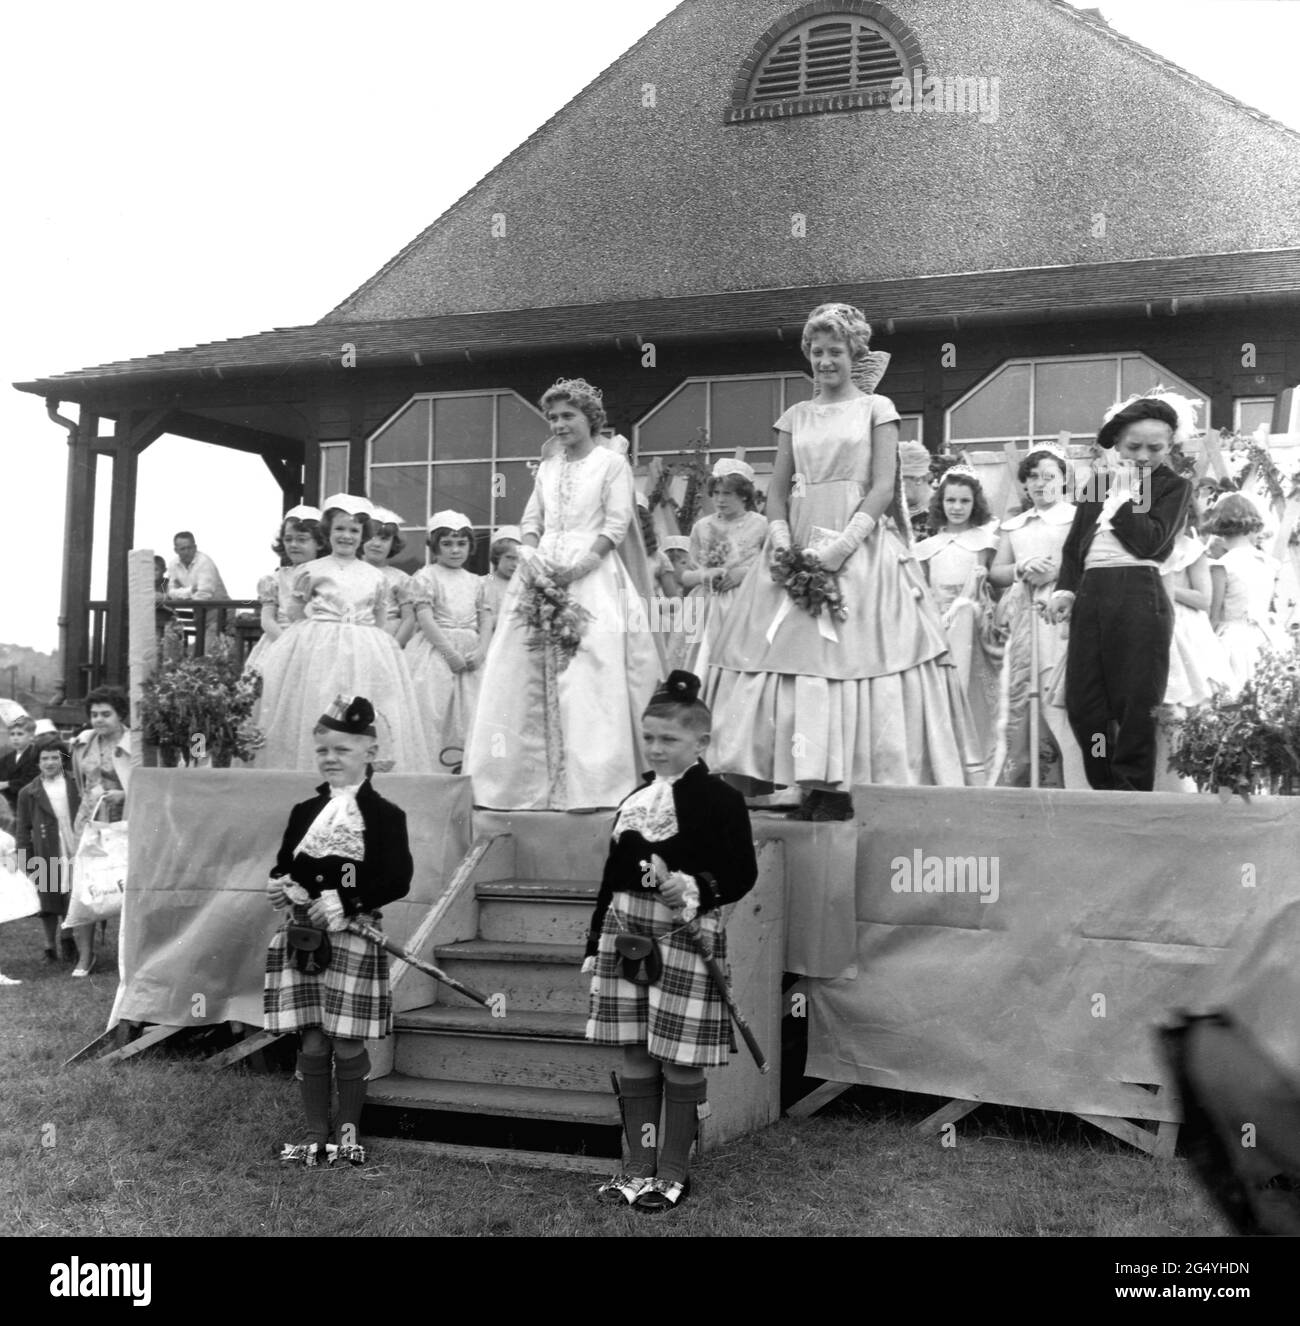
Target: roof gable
(1098, 151)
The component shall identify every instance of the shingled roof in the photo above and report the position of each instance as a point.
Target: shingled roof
(1159, 286)
(612, 199)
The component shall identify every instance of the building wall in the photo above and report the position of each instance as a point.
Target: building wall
(1097, 153)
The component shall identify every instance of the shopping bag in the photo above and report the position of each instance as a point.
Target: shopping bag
(18, 896)
(98, 872)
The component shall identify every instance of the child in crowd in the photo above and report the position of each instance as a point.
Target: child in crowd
(345, 853)
(18, 764)
(678, 624)
(340, 646)
(681, 846)
(382, 544)
(300, 540)
(47, 838)
(1243, 582)
(956, 561)
(1028, 560)
(503, 555)
(454, 628)
(724, 546)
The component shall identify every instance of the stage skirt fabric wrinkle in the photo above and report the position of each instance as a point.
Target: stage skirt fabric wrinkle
(681, 1018)
(880, 702)
(351, 999)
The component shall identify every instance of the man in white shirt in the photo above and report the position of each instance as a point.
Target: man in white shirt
(193, 575)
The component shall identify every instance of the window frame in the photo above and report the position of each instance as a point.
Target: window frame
(325, 489)
(492, 461)
(1118, 356)
(1239, 401)
(639, 457)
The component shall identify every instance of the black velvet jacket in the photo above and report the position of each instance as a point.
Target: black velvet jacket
(1150, 533)
(384, 872)
(714, 843)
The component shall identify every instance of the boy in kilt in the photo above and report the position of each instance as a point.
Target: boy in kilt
(681, 846)
(345, 853)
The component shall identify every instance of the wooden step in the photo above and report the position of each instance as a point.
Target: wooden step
(525, 1048)
(528, 911)
(582, 1107)
(532, 977)
(478, 1155)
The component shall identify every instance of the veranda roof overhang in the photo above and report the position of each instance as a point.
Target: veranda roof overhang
(1145, 288)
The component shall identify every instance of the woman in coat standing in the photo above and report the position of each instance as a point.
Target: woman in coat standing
(47, 809)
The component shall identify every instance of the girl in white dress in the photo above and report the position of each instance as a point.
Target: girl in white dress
(503, 557)
(1028, 559)
(454, 628)
(1197, 658)
(832, 703)
(340, 647)
(384, 542)
(555, 732)
(956, 562)
(299, 541)
(723, 548)
(1243, 582)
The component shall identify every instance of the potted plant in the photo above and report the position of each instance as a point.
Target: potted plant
(199, 710)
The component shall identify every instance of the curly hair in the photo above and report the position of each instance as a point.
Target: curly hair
(738, 484)
(1234, 513)
(979, 511)
(368, 525)
(843, 321)
(113, 695)
(296, 526)
(582, 396)
(1030, 464)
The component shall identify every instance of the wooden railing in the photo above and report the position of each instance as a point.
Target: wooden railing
(203, 620)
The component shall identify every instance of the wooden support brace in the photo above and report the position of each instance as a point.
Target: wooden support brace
(946, 1114)
(814, 1100)
(146, 1041)
(250, 1045)
(88, 1051)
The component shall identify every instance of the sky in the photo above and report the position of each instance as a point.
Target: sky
(184, 173)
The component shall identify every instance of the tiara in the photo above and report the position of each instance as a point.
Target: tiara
(1052, 449)
(961, 471)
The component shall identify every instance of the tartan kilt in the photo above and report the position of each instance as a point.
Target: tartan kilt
(351, 999)
(681, 1018)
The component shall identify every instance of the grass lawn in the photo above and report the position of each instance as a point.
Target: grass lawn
(164, 1147)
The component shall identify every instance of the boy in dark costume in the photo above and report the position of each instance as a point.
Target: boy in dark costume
(345, 853)
(681, 845)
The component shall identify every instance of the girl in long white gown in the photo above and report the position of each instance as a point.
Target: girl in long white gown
(831, 704)
(956, 562)
(453, 630)
(384, 541)
(724, 546)
(300, 541)
(340, 647)
(551, 733)
(1244, 580)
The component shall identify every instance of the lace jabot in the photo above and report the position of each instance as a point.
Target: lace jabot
(649, 811)
(338, 830)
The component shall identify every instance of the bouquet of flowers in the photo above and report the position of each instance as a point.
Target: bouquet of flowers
(800, 573)
(553, 617)
(197, 707)
(1246, 743)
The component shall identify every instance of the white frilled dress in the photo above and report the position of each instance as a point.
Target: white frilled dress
(275, 589)
(954, 562)
(547, 738)
(873, 699)
(1196, 656)
(735, 544)
(340, 648)
(397, 581)
(1247, 624)
(447, 699)
(1034, 533)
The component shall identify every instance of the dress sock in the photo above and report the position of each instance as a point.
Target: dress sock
(314, 1078)
(641, 1096)
(681, 1119)
(351, 1077)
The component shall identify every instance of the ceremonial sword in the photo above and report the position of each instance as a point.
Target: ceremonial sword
(359, 927)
